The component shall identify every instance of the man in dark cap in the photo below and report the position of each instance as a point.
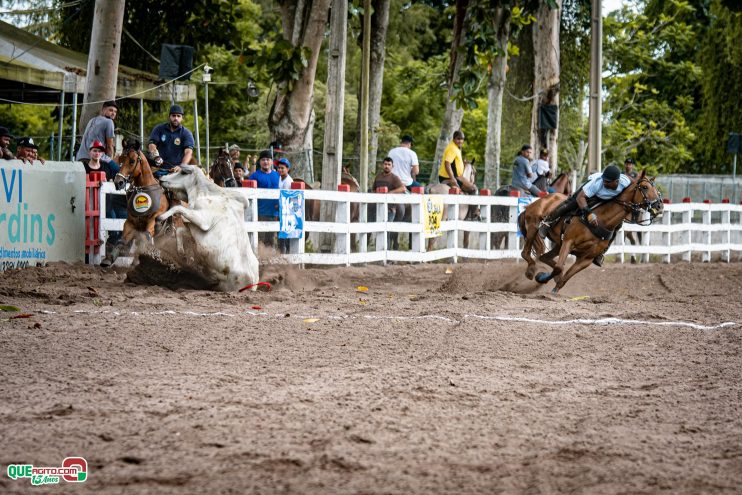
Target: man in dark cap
(171, 144)
(27, 151)
(267, 178)
(604, 187)
(100, 128)
(5, 138)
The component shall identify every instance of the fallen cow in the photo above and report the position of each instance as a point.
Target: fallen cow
(215, 219)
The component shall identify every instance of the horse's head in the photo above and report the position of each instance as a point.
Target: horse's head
(131, 163)
(221, 171)
(646, 197)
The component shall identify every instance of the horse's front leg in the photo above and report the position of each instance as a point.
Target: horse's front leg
(577, 267)
(557, 267)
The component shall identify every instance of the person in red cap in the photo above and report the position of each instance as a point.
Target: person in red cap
(100, 128)
(115, 203)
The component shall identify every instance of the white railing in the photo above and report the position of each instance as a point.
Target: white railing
(684, 229)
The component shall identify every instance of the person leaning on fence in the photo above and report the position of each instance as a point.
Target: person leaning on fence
(5, 138)
(523, 176)
(100, 128)
(394, 184)
(28, 151)
(170, 143)
(599, 188)
(115, 203)
(267, 178)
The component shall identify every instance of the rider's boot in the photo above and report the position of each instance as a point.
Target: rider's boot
(550, 219)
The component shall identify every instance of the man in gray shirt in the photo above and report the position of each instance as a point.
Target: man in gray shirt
(99, 128)
(522, 173)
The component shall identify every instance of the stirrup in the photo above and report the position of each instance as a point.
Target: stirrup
(543, 228)
(598, 260)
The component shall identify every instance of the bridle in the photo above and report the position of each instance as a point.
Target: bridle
(652, 206)
(221, 161)
(137, 164)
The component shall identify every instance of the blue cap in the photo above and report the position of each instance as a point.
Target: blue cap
(285, 161)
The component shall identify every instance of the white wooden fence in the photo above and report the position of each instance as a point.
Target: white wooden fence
(684, 229)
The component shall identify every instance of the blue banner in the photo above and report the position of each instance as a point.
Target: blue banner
(291, 214)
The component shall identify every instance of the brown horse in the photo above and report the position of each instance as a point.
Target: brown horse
(574, 236)
(562, 184)
(145, 198)
(221, 171)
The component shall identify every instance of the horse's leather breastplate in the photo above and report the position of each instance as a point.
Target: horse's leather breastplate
(143, 201)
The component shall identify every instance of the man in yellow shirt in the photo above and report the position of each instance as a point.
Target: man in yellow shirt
(452, 165)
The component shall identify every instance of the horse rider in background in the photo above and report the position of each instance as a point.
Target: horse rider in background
(523, 175)
(543, 171)
(170, 143)
(406, 165)
(599, 188)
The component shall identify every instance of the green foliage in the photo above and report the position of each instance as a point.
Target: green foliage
(652, 84)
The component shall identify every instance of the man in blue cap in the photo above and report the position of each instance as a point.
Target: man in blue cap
(604, 187)
(170, 143)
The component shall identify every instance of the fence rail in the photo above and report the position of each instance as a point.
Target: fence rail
(685, 230)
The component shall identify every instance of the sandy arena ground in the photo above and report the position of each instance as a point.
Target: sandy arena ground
(473, 381)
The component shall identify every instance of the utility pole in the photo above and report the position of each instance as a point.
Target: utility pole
(103, 59)
(594, 140)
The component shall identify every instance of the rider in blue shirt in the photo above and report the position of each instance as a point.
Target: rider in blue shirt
(605, 186)
(170, 143)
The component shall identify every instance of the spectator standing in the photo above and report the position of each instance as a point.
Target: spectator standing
(234, 154)
(406, 165)
(100, 128)
(27, 151)
(267, 178)
(170, 143)
(628, 167)
(5, 138)
(239, 174)
(115, 203)
(386, 178)
(285, 180)
(522, 173)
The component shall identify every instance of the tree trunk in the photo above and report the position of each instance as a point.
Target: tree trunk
(103, 58)
(495, 90)
(379, 27)
(453, 115)
(546, 77)
(290, 117)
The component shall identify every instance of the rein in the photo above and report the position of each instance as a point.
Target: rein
(647, 205)
(127, 178)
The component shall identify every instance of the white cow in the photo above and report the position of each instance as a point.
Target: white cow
(215, 218)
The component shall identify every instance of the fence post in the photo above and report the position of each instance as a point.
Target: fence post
(253, 211)
(726, 219)
(485, 215)
(687, 218)
(667, 236)
(382, 214)
(513, 220)
(452, 215)
(706, 256)
(342, 215)
(417, 242)
(93, 208)
(296, 246)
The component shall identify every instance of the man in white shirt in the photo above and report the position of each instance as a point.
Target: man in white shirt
(406, 166)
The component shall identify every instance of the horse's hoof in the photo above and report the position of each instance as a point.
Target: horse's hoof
(106, 262)
(542, 277)
(555, 290)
